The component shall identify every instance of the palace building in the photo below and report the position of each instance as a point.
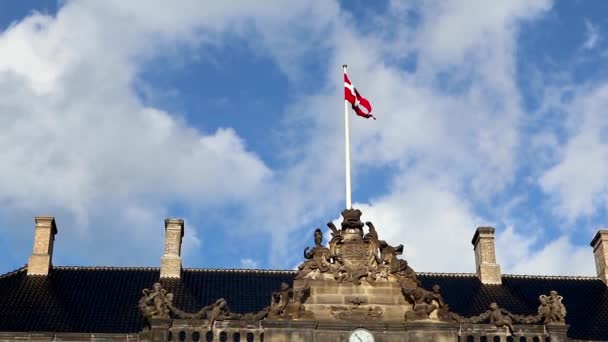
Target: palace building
(351, 286)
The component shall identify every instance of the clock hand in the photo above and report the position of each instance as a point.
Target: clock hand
(359, 338)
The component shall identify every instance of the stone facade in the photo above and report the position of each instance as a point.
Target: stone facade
(357, 282)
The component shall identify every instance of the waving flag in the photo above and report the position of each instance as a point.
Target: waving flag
(360, 104)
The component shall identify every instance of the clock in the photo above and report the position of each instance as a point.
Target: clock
(361, 335)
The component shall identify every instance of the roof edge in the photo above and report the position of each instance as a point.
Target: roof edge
(15, 271)
(271, 271)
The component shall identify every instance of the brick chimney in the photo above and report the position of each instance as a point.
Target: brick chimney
(171, 261)
(44, 237)
(488, 270)
(600, 252)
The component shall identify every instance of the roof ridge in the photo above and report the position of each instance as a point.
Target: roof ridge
(455, 274)
(238, 270)
(103, 268)
(15, 271)
(275, 271)
(541, 276)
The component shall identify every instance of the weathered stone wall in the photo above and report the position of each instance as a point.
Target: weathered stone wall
(80, 337)
(328, 296)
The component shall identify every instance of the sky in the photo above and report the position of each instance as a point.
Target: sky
(115, 115)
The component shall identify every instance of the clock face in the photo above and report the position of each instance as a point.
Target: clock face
(361, 335)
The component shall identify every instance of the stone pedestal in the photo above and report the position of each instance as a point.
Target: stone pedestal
(329, 300)
(159, 330)
(558, 332)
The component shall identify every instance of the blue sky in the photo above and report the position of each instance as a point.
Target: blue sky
(115, 115)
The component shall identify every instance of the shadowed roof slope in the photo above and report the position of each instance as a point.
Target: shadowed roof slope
(104, 299)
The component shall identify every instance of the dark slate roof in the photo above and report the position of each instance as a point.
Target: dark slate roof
(104, 299)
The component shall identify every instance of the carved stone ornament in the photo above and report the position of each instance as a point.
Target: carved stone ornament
(551, 309)
(427, 305)
(358, 311)
(288, 304)
(353, 256)
(155, 303)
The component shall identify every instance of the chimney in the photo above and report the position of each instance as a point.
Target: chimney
(600, 252)
(488, 270)
(171, 261)
(44, 237)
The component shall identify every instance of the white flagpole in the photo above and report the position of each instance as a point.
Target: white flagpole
(347, 150)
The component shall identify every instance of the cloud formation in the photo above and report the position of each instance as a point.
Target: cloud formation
(448, 141)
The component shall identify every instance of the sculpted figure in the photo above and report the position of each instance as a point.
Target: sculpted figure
(280, 300)
(495, 315)
(399, 267)
(500, 317)
(544, 309)
(219, 311)
(558, 310)
(294, 308)
(154, 303)
(422, 304)
(427, 304)
(317, 258)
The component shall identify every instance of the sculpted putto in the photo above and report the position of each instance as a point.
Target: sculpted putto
(155, 303)
(551, 309)
(287, 303)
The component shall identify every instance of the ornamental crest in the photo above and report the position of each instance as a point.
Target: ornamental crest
(353, 256)
(356, 255)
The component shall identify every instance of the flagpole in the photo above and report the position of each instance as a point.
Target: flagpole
(347, 150)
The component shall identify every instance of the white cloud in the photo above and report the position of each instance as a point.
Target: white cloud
(577, 181)
(534, 255)
(249, 263)
(592, 35)
(80, 140)
(432, 222)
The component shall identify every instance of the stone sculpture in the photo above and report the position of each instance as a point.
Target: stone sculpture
(353, 256)
(427, 304)
(288, 304)
(362, 261)
(318, 260)
(155, 303)
(495, 315)
(551, 309)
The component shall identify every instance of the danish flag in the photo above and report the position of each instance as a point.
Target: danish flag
(360, 104)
